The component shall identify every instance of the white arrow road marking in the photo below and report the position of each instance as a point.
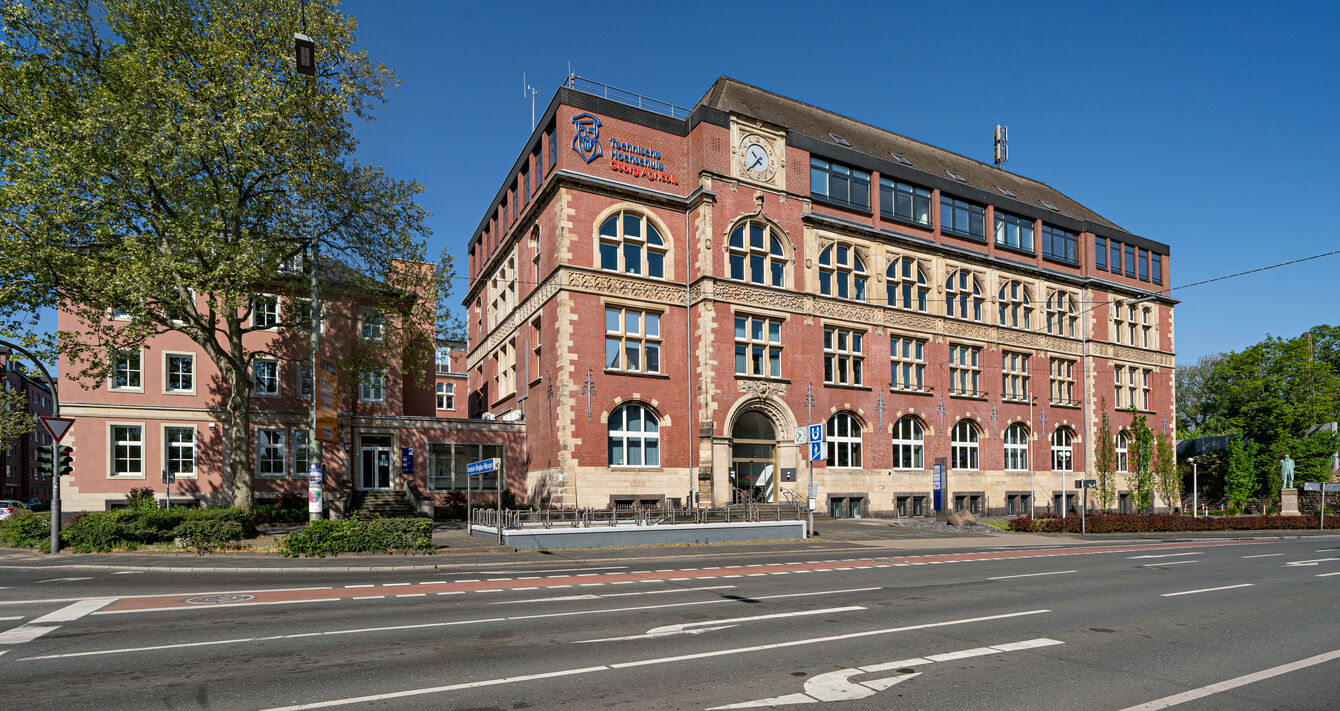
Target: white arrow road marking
(1314, 561)
(42, 625)
(713, 625)
(838, 686)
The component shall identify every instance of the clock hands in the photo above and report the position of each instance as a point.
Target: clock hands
(756, 162)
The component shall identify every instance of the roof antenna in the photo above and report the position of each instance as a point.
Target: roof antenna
(527, 88)
(1002, 149)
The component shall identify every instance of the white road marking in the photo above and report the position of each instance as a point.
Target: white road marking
(1164, 555)
(1314, 561)
(1204, 691)
(60, 580)
(1193, 592)
(42, 625)
(1326, 575)
(592, 596)
(1263, 555)
(713, 625)
(25, 633)
(1032, 575)
(49, 600)
(8, 619)
(1170, 562)
(429, 625)
(648, 662)
(129, 572)
(550, 570)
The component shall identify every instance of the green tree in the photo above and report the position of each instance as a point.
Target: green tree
(1167, 478)
(1197, 411)
(15, 419)
(1140, 460)
(1241, 479)
(1105, 461)
(165, 160)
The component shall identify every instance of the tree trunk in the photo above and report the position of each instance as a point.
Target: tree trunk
(238, 482)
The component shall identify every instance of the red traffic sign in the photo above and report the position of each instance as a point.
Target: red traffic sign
(57, 426)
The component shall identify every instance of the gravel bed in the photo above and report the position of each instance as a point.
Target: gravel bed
(976, 528)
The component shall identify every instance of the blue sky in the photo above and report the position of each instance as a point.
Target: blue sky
(1206, 126)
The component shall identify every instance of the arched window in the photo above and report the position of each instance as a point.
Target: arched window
(963, 445)
(630, 244)
(1063, 450)
(842, 272)
(1016, 305)
(1061, 314)
(908, 437)
(906, 284)
(755, 254)
(1016, 448)
(844, 441)
(963, 297)
(634, 437)
(1121, 452)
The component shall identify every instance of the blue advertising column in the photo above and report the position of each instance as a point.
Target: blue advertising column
(938, 486)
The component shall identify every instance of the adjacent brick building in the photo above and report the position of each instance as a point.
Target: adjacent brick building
(22, 477)
(664, 295)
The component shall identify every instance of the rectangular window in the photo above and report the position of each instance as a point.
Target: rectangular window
(1058, 244)
(180, 373)
(1129, 260)
(373, 326)
(525, 186)
(269, 452)
(1157, 265)
(127, 372)
(305, 379)
(372, 386)
(127, 450)
(1014, 232)
(1144, 265)
(265, 376)
(1114, 264)
(180, 450)
(908, 203)
(758, 346)
(907, 367)
(1100, 252)
(1145, 328)
(849, 187)
(446, 396)
(962, 218)
(843, 354)
(1117, 400)
(447, 462)
(632, 340)
(1063, 381)
(1013, 376)
(964, 370)
(302, 453)
(1144, 389)
(265, 311)
(538, 158)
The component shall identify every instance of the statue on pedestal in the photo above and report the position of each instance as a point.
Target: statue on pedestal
(1286, 472)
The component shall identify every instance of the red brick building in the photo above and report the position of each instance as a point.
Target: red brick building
(664, 295)
(22, 477)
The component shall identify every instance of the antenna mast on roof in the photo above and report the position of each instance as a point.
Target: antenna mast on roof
(1002, 149)
(528, 89)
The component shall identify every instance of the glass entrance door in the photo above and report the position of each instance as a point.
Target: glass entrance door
(754, 459)
(375, 463)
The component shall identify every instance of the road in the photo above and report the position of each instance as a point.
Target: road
(1194, 624)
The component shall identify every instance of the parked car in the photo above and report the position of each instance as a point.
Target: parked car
(8, 507)
(36, 504)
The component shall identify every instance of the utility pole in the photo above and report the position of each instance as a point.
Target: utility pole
(306, 65)
(810, 494)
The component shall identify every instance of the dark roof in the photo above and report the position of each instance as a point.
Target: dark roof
(732, 95)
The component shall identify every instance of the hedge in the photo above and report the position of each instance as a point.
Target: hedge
(25, 529)
(205, 534)
(1161, 523)
(379, 535)
(132, 528)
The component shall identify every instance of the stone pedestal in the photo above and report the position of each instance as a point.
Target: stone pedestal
(1289, 502)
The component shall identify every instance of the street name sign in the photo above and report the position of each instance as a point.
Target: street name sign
(57, 426)
(482, 466)
(1086, 483)
(169, 477)
(1319, 486)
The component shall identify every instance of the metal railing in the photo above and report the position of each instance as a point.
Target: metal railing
(640, 516)
(595, 88)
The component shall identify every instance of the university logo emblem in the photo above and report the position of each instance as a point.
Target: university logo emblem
(587, 140)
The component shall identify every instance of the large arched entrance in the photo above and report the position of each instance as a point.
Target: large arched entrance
(753, 458)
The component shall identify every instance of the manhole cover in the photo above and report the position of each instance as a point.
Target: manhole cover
(218, 599)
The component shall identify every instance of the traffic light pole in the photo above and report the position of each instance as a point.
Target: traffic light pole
(55, 447)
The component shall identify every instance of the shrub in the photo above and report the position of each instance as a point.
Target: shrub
(131, 528)
(26, 529)
(207, 534)
(141, 498)
(1161, 523)
(380, 535)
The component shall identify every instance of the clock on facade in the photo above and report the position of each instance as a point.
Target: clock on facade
(757, 158)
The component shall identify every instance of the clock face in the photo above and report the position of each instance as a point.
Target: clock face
(756, 158)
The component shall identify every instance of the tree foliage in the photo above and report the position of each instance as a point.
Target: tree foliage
(164, 160)
(1167, 478)
(1241, 481)
(1140, 460)
(1105, 461)
(15, 418)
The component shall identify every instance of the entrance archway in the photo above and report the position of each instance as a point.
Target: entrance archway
(753, 458)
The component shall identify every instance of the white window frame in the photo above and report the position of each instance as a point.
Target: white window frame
(113, 442)
(137, 371)
(305, 446)
(372, 325)
(642, 436)
(850, 272)
(965, 449)
(907, 363)
(965, 368)
(263, 446)
(1063, 450)
(843, 446)
(1061, 314)
(909, 440)
(842, 363)
(265, 312)
(962, 287)
(1062, 381)
(169, 446)
(257, 381)
(1123, 451)
(766, 344)
(1016, 447)
(372, 386)
(1015, 298)
(168, 357)
(1014, 376)
(622, 241)
(906, 285)
(626, 340)
(763, 264)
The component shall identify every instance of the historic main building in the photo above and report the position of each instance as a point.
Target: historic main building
(663, 295)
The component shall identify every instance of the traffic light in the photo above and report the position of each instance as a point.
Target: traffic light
(65, 461)
(44, 461)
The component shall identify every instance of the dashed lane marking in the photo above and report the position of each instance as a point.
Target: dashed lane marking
(1205, 590)
(1204, 691)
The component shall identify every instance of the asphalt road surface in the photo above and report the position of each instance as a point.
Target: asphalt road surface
(1225, 623)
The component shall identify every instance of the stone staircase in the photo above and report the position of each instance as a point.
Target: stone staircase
(387, 504)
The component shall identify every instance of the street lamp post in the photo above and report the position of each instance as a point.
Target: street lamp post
(1195, 506)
